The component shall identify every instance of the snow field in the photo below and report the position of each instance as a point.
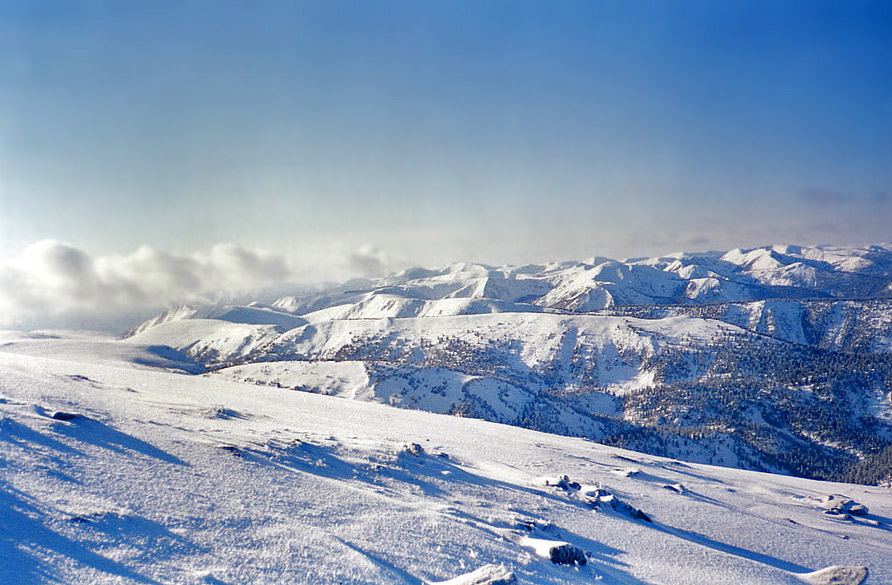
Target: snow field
(170, 478)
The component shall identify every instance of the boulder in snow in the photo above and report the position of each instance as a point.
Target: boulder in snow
(596, 497)
(563, 483)
(414, 449)
(840, 505)
(60, 415)
(567, 554)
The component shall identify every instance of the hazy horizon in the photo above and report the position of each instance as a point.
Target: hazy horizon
(164, 150)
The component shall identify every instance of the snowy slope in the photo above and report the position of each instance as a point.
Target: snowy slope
(207, 340)
(545, 371)
(253, 314)
(164, 477)
(683, 386)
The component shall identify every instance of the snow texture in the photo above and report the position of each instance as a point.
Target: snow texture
(167, 477)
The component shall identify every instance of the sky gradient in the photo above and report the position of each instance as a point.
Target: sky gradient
(411, 132)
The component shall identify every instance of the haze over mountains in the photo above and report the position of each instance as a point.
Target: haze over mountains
(775, 359)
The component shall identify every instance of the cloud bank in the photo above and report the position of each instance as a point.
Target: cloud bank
(54, 284)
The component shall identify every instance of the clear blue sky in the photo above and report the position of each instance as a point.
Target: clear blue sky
(494, 131)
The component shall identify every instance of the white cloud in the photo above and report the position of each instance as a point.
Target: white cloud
(53, 284)
(367, 261)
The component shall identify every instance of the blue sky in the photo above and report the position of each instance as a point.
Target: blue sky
(429, 132)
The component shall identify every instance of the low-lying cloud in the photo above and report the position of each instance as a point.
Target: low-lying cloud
(54, 284)
(367, 261)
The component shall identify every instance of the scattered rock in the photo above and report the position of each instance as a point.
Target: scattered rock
(232, 449)
(414, 449)
(567, 554)
(527, 524)
(837, 515)
(840, 505)
(598, 493)
(60, 415)
(600, 496)
(676, 487)
(595, 497)
(79, 378)
(639, 515)
(858, 510)
(563, 483)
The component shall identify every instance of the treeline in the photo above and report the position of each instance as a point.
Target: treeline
(737, 399)
(803, 410)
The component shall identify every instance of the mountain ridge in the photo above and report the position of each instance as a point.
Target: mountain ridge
(774, 358)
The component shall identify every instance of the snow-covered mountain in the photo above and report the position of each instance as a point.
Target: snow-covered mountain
(118, 466)
(774, 359)
(815, 296)
(776, 272)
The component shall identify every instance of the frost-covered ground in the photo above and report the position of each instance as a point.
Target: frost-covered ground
(167, 477)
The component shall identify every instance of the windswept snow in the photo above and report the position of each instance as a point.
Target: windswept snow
(163, 477)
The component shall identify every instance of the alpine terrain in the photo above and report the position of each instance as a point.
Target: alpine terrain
(775, 359)
(697, 418)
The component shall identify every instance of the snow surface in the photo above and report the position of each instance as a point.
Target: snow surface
(166, 477)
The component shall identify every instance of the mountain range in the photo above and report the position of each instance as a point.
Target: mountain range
(772, 359)
(336, 436)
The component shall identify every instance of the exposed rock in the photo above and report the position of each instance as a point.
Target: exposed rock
(567, 554)
(639, 515)
(600, 496)
(563, 483)
(858, 510)
(414, 449)
(837, 504)
(60, 415)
